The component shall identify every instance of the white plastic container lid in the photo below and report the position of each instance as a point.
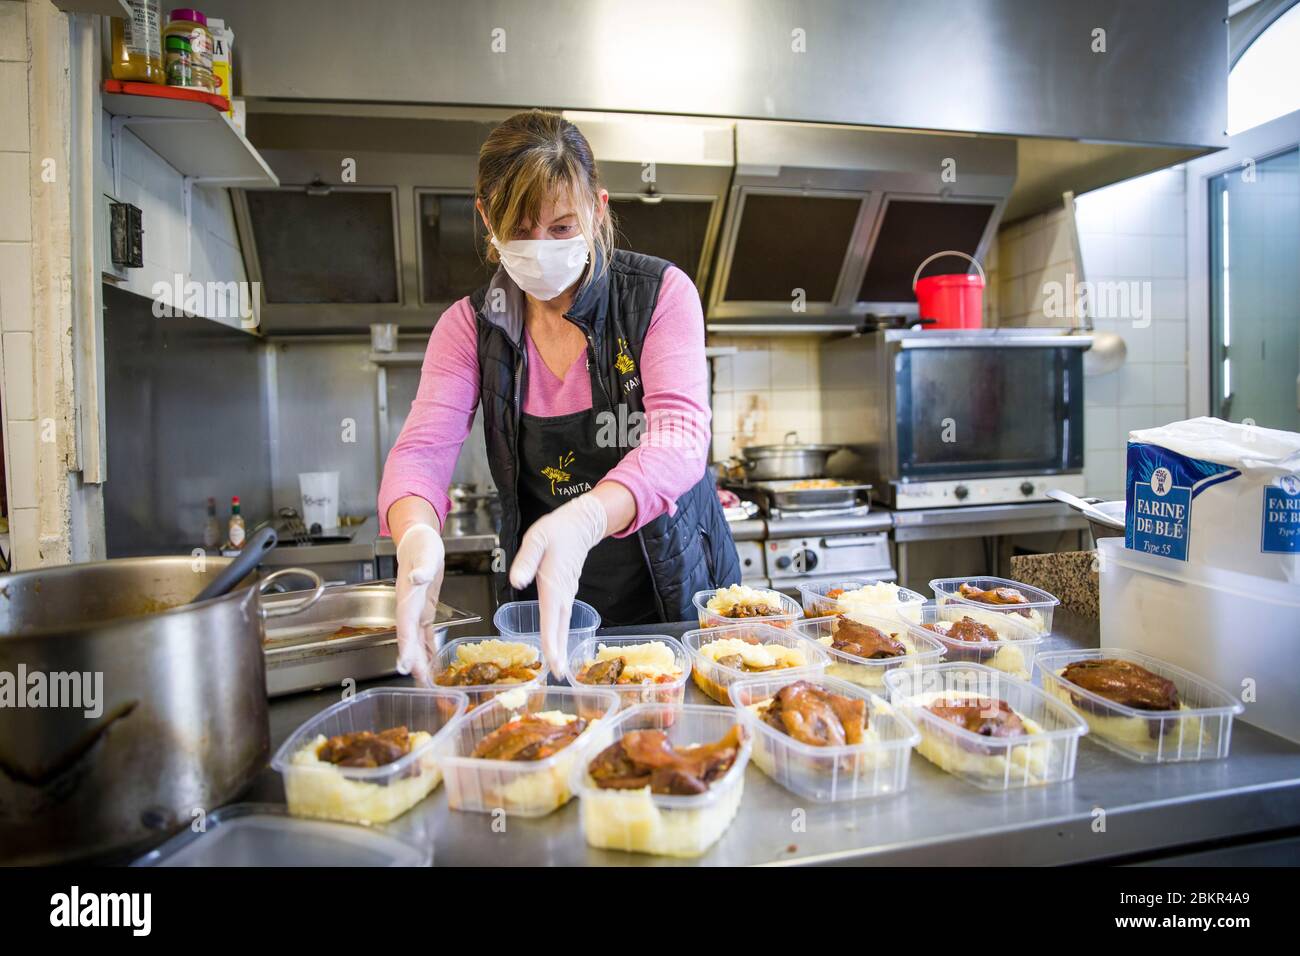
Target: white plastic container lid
(254, 834)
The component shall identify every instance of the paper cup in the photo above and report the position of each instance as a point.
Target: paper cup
(320, 498)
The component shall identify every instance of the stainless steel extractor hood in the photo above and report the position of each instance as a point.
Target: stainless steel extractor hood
(826, 224)
(375, 220)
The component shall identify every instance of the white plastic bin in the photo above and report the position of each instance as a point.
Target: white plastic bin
(1239, 631)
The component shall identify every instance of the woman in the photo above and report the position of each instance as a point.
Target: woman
(566, 348)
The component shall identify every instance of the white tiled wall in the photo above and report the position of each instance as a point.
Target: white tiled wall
(17, 371)
(769, 387)
(1132, 232)
(1136, 231)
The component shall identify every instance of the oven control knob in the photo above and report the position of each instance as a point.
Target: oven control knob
(1026, 488)
(805, 560)
(783, 562)
(960, 492)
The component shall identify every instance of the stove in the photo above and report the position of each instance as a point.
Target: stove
(806, 545)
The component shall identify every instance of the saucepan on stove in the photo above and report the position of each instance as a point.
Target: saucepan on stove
(137, 708)
(790, 459)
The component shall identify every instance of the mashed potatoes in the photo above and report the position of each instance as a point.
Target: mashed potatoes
(317, 788)
(714, 680)
(504, 654)
(1014, 760)
(882, 598)
(1182, 735)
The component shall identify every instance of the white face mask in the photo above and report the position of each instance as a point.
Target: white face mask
(543, 267)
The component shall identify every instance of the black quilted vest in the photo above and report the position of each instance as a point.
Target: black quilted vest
(689, 551)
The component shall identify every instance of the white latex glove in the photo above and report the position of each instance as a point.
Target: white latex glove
(553, 551)
(421, 560)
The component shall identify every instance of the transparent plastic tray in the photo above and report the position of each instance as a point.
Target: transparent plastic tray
(709, 618)
(482, 693)
(1013, 653)
(817, 604)
(252, 834)
(1202, 730)
(668, 692)
(714, 678)
(525, 788)
(368, 794)
(522, 618)
(923, 650)
(991, 763)
(849, 772)
(1037, 613)
(639, 821)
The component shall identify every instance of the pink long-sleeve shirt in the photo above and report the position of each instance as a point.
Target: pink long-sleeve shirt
(674, 445)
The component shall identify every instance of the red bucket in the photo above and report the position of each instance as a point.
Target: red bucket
(953, 301)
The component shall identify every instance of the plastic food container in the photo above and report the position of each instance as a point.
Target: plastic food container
(639, 821)
(1201, 730)
(869, 769)
(1230, 627)
(715, 679)
(367, 795)
(481, 693)
(251, 834)
(817, 604)
(923, 650)
(516, 619)
(709, 618)
(668, 692)
(1013, 653)
(1040, 606)
(525, 788)
(991, 763)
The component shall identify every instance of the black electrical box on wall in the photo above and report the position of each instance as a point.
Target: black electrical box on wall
(126, 235)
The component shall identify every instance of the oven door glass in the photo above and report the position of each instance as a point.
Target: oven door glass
(973, 411)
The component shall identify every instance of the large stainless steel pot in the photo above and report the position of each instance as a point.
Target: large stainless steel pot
(179, 725)
(790, 459)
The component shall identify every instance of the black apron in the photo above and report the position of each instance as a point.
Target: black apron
(559, 459)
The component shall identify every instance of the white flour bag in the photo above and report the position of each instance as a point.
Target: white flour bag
(1216, 493)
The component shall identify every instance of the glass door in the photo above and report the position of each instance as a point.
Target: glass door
(1254, 273)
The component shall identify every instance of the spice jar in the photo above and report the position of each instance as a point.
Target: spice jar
(192, 26)
(137, 44)
(180, 62)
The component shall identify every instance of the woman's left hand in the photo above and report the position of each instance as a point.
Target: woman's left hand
(553, 551)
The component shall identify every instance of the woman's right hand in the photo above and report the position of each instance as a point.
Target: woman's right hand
(421, 560)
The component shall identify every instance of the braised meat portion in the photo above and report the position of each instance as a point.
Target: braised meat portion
(1123, 682)
(980, 715)
(1000, 596)
(967, 629)
(485, 672)
(816, 716)
(528, 738)
(603, 672)
(863, 640)
(644, 758)
(365, 748)
(752, 610)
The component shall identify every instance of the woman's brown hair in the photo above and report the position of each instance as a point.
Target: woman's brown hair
(530, 159)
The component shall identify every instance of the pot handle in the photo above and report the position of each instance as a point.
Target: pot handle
(950, 252)
(286, 609)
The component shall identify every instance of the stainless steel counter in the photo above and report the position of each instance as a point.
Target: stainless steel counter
(1112, 808)
(464, 534)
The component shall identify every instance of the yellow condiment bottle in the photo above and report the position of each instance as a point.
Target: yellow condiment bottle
(137, 44)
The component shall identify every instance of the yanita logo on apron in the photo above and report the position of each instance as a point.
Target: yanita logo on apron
(626, 366)
(562, 483)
